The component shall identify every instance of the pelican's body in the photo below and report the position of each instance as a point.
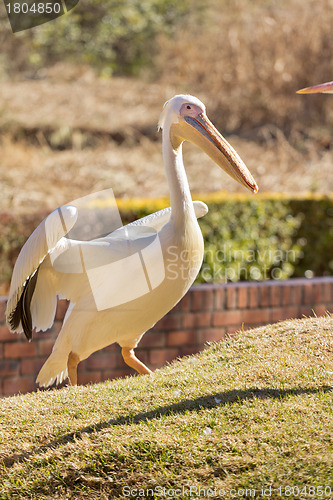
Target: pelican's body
(110, 301)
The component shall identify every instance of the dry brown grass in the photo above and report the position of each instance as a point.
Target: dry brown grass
(248, 58)
(76, 136)
(33, 178)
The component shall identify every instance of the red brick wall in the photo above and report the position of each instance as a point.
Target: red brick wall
(206, 313)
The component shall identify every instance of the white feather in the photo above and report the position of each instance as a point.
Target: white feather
(36, 248)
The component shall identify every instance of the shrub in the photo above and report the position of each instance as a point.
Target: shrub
(116, 36)
(246, 60)
(249, 240)
(259, 238)
(15, 231)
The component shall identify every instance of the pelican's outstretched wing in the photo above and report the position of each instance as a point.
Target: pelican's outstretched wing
(80, 256)
(158, 219)
(45, 238)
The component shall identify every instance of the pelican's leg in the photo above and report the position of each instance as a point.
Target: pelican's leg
(73, 361)
(132, 361)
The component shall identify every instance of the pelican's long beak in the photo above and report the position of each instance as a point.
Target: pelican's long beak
(323, 88)
(200, 131)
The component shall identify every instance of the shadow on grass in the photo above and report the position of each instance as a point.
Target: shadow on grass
(202, 402)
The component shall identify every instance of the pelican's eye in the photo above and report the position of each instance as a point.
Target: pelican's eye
(189, 109)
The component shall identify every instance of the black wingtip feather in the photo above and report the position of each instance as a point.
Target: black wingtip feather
(22, 312)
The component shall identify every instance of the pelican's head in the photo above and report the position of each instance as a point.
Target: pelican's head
(323, 88)
(184, 116)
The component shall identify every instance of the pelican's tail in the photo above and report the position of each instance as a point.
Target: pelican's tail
(54, 369)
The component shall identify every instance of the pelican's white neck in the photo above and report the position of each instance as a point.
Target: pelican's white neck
(180, 195)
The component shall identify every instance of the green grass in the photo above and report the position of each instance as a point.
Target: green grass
(245, 414)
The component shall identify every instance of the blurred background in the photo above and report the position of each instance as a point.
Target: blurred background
(80, 98)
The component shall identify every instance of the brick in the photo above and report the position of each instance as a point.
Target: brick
(112, 348)
(101, 361)
(253, 296)
(51, 333)
(153, 339)
(9, 367)
(264, 296)
(306, 310)
(329, 308)
(208, 300)
(3, 305)
(20, 350)
(276, 295)
(181, 338)
(44, 347)
(124, 372)
(231, 298)
(256, 316)
(185, 303)
(308, 294)
(176, 308)
(90, 377)
(62, 307)
(281, 313)
(18, 385)
(242, 297)
(220, 299)
(197, 320)
(189, 350)
(7, 336)
(1, 352)
(31, 366)
(286, 295)
(142, 355)
(231, 331)
(37, 336)
(197, 300)
(210, 335)
(159, 357)
(326, 292)
(296, 295)
(225, 318)
(169, 322)
(120, 364)
(320, 310)
(317, 291)
(118, 373)
(292, 312)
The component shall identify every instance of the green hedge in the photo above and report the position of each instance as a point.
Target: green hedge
(246, 238)
(114, 36)
(260, 237)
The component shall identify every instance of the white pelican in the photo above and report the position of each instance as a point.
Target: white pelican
(323, 88)
(103, 278)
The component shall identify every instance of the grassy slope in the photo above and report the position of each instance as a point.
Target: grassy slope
(245, 413)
